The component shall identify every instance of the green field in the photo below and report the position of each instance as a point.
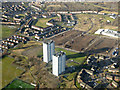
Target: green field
(42, 21)
(7, 31)
(9, 71)
(19, 84)
(77, 57)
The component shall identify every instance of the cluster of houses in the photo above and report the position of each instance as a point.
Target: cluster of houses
(113, 74)
(5, 20)
(39, 32)
(13, 7)
(13, 41)
(89, 78)
(85, 12)
(83, 76)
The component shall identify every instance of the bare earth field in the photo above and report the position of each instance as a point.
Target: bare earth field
(61, 39)
(102, 45)
(88, 43)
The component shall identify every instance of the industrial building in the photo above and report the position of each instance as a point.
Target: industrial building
(58, 63)
(108, 32)
(48, 50)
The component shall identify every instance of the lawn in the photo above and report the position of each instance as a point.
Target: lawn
(19, 84)
(42, 21)
(7, 31)
(9, 70)
(77, 57)
(70, 76)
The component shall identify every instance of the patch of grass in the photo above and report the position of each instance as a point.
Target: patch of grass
(9, 70)
(71, 75)
(19, 84)
(7, 31)
(109, 12)
(72, 64)
(42, 22)
(78, 85)
(77, 57)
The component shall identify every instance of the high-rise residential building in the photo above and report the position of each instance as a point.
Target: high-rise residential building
(58, 63)
(48, 50)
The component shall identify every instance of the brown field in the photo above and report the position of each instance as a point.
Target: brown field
(87, 43)
(61, 39)
(103, 45)
(81, 42)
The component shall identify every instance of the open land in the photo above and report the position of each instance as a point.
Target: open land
(7, 31)
(91, 23)
(73, 40)
(10, 71)
(42, 22)
(19, 84)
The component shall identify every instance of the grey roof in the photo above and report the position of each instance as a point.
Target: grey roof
(59, 53)
(48, 41)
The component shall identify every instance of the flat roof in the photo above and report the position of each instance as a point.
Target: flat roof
(59, 53)
(48, 41)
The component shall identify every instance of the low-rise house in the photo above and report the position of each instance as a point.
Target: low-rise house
(36, 32)
(112, 66)
(16, 41)
(11, 40)
(26, 32)
(8, 39)
(49, 24)
(82, 84)
(6, 47)
(112, 17)
(23, 38)
(115, 84)
(12, 44)
(89, 72)
(117, 78)
(9, 43)
(37, 37)
(3, 41)
(6, 42)
(46, 16)
(113, 70)
(34, 27)
(109, 77)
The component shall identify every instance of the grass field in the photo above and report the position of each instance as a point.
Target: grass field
(42, 21)
(79, 58)
(9, 71)
(7, 31)
(19, 84)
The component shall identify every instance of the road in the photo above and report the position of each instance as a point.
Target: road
(68, 49)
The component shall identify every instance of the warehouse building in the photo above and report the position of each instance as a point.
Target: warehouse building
(108, 32)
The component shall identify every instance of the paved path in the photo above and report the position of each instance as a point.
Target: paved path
(68, 49)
